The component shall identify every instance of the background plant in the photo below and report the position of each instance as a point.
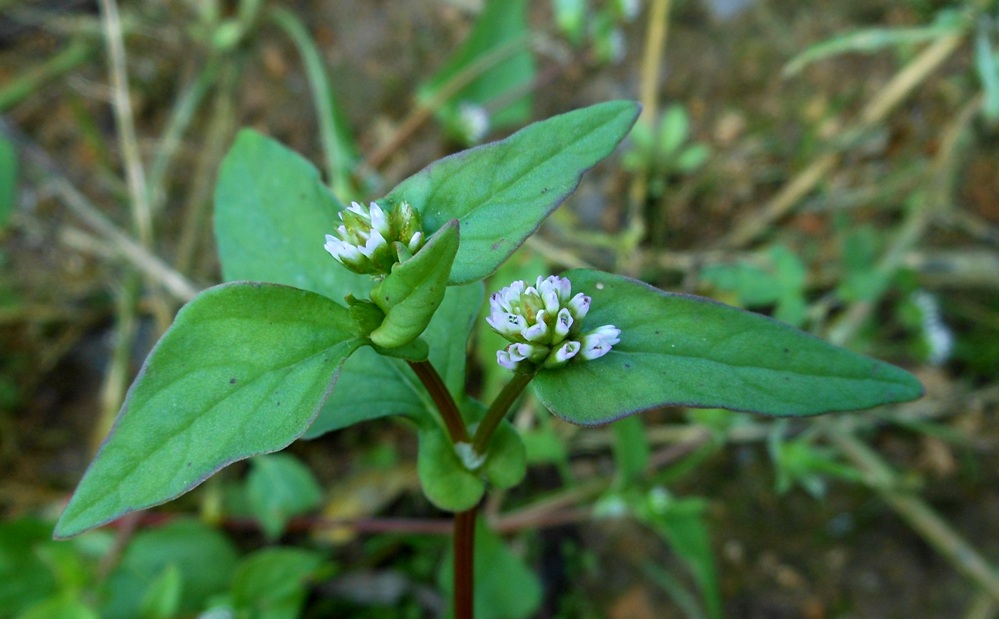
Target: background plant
(759, 142)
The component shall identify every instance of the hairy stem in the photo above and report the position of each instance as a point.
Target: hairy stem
(428, 375)
(497, 411)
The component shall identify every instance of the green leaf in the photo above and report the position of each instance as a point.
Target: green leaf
(203, 556)
(631, 448)
(445, 480)
(242, 371)
(8, 180)
(162, 598)
(505, 588)
(495, 60)
(682, 350)
(380, 386)
(271, 583)
(24, 576)
(506, 458)
(414, 289)
(682, 523)
(279, 486)
(271, 211)
(501, 192)
(62, 606)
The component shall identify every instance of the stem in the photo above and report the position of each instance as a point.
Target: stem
(464, 563)
(428, 375)
(497, 411)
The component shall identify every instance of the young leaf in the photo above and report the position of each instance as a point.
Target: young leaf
(279, 486)
(242, 371)
(501, 192)
(683, 350)
(414, 289)
(445, 480)
(379, 386)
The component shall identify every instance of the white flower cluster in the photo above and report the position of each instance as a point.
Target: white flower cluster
(543, 322)
(371, 241)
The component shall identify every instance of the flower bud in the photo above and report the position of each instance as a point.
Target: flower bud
(368, 240)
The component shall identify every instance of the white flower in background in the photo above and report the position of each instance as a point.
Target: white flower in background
(937, 335)
(543, 323)
(369, 240)
(473, 121)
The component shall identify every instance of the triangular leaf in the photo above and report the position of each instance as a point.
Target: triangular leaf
(242, 371)
(683, 350)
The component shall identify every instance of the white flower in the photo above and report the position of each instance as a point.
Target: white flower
(544, 323)
(365, 241)
(473, 121)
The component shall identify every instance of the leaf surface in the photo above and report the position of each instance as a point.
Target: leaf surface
(242, 371)
(501, 192)
(682, 350)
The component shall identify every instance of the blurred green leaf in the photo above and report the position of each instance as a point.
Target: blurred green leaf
(272, 583)
(682, 523)
(204, 558)
(25, 578)
(874, 39)
(8, 180)
(279, 486)
(501, 192)
(162, 598)
(495, 61)
(62, 606)
(570, 17)
(683, 350)
(243, 371)
(988, 74)
(631, 448)
(505, 588)
(673, 130)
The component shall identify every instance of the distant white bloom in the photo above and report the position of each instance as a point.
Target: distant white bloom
(473, 121)
(366, 238)
(937, 335)
(544, 323)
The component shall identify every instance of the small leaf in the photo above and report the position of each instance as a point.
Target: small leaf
(682, 350)
(414, 289)
(272, 583)
(506, 459)
(204, 557)
(445, 480)
(8, 180)
(242, 371)
(501, 192)
(376, 386)
(279, 486)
